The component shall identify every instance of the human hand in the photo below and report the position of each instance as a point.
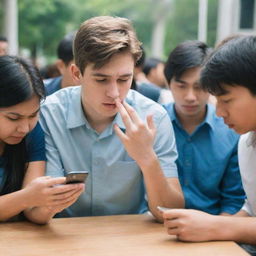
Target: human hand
(63, 205)
(190, 225)
(139, 136)
(51, 192)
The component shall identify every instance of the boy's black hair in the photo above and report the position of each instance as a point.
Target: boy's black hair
(186, 55)
(65, 48)
(234, 63)
(151, 63)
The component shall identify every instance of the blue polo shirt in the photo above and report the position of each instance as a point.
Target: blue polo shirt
(115, 182)
(208, 164)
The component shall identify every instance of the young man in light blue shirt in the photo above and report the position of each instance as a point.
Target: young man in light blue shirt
(207, 163)
(122, 139)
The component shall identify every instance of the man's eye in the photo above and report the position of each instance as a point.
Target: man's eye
(13, 118)
(33, 116)
(101, 80)
(123, 80)
(226, 101)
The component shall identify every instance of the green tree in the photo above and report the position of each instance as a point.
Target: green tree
(183, 24)
(42, 23)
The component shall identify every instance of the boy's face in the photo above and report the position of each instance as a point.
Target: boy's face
(102, 86)
(190, 99)
(238, 108)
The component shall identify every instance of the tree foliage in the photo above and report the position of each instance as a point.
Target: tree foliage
(42, 23)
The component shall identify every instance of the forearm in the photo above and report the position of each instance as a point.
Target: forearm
(39, 215)
(238, 229)
(12, 204)
(159, 191)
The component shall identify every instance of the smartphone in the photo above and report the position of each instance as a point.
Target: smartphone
(76, 177)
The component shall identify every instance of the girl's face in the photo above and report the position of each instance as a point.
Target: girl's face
(18, 120)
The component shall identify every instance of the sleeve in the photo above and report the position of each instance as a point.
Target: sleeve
(165, 146)
(54, 166)
(35, 145)
(232, 192)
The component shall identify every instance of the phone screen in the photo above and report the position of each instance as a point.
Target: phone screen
(76, 177)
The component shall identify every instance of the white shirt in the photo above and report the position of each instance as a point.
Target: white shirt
(247, 163)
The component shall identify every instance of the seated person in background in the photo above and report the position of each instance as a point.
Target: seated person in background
(107, 129)
(22, 151)
(3, 46)
(229, 74)
(141, 84)
(154, 70)
(207, 149)
(65, 59)
(49, 71)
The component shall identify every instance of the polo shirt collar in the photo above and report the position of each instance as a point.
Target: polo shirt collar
(209, 119)
(75, 114)
(76, 117)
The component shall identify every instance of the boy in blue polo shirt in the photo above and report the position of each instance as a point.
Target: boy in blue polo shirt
(106, 129)
(207, 149)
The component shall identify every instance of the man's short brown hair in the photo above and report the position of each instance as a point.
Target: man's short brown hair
(99, 38)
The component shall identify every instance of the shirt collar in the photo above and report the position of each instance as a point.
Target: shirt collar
(210, 116)
(76, 117)
(75, 113)
(209, 119)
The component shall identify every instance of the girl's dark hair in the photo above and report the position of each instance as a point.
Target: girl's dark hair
(19, 81)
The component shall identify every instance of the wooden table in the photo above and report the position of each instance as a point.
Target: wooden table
(120, 235)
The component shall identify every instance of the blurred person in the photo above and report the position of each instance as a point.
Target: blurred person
(208, 172)
(124, 140)
(22, 149)
(3, 46)
(65, 59)
(229, 74)
(141, 84)
(153, 69)
(50, 71)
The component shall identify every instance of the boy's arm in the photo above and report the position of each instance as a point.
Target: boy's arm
(138, 140)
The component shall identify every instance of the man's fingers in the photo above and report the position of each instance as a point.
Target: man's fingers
(132, 113)
(124, 114)
(151, 123)
(119, 133)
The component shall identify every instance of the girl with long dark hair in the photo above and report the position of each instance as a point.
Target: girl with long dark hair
(23, 190)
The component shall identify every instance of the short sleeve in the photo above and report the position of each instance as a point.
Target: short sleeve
(35, 145)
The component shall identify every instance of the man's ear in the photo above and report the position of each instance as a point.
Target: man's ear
(76, 74)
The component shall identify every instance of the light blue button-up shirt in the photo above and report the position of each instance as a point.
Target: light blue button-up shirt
(208, 165)
(115, 182)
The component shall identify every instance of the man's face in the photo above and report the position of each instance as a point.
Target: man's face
(102, 86)
(3, 48)
(238, 108)
(190, 99)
